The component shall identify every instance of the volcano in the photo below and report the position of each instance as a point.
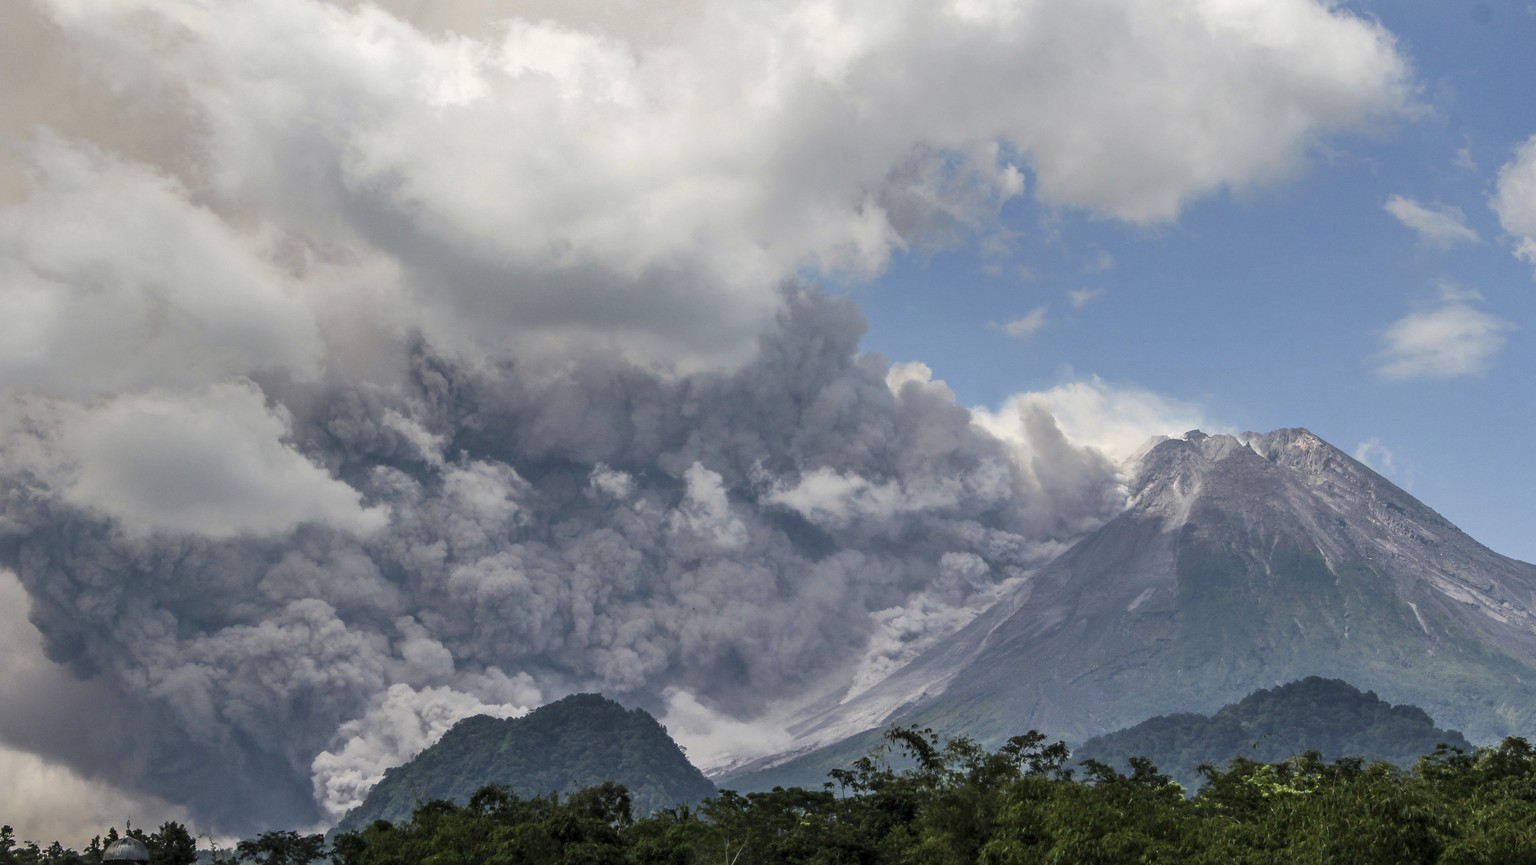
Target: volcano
(1241, 562)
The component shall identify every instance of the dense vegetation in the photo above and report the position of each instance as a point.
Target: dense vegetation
(1328, 716)
(580, 741)
(958, 803)
(955, 802)
(171, 844)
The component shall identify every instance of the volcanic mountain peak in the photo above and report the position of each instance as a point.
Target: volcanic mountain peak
(1288, 479)
(1294, 447)
(1240, 562)
(1184, 461)
(1261, 491)
(1167, 474)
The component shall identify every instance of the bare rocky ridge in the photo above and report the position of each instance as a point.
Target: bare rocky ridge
(1241, 563)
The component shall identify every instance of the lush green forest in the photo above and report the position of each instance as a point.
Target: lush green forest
(1328, 716)
(580, 741)
(959, 803)
(955, 802)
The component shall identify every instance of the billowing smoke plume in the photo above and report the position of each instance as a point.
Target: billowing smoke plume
(735, 535)
(406, 374)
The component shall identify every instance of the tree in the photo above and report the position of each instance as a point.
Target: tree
(7, 845)
(172, 844)
(281, 848)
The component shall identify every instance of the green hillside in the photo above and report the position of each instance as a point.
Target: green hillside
(571, 744)
(1329, 716)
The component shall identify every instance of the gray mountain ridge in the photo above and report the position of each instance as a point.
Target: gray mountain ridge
(1241, 562)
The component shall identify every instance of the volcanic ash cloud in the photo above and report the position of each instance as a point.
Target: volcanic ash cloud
(398, 374)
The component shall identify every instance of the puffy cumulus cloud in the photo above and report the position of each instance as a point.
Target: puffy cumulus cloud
(111, 279)
(754, 537)
(642, 24)
(1115, 420)
(1514, 199)
(1438, 225)
(1453, 339)
(610, 483)
(647, 183)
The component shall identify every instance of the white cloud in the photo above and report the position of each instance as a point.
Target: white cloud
(1115, 419)
(1020, 328)
(1081, 297)
(1514, 199)
(210, 463)
(1453, 340)
(610, 483)
(110, 279)
(1439, 225)
(1378, 456)
(678, 172)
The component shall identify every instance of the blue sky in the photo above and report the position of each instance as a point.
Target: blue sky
(1270, 307)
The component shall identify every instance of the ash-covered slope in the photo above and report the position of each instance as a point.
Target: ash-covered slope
(1241, 563)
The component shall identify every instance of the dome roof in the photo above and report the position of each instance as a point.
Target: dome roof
(126, 850)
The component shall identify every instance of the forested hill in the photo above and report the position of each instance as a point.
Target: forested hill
(1315, 714)
(574, 743)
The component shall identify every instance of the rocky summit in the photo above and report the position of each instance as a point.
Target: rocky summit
(1242, 562)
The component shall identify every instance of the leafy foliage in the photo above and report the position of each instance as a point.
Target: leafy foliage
(279, 848)
(954, 802)
(171, 844)
(919, 800)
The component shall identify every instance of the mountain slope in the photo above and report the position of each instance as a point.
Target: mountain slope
(580, 741)
(1239, 564)
(1315, 714)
